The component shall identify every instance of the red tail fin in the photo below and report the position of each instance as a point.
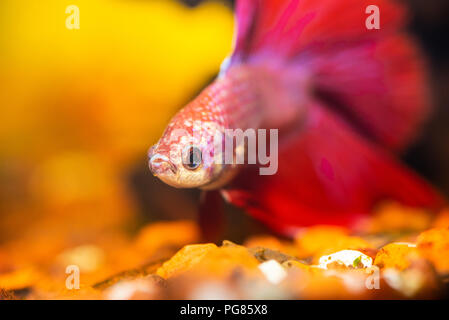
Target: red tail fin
(327, 175)
(374, 78)
(369, 96)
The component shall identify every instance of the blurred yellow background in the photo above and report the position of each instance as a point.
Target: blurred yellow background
(80, 108)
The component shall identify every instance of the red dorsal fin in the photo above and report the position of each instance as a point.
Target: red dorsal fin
(286, 27)
(373, 78)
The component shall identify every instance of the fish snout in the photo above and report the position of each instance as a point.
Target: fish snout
(160, 164)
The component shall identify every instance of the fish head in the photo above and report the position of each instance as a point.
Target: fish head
(188, 155)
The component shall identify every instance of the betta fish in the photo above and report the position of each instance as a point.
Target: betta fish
(345, 101)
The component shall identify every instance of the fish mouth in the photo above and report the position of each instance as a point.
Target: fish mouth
(160, 164)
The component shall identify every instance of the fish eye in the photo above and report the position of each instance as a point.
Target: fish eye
(192, 158)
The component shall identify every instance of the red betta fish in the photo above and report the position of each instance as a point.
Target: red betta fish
(344, 99)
